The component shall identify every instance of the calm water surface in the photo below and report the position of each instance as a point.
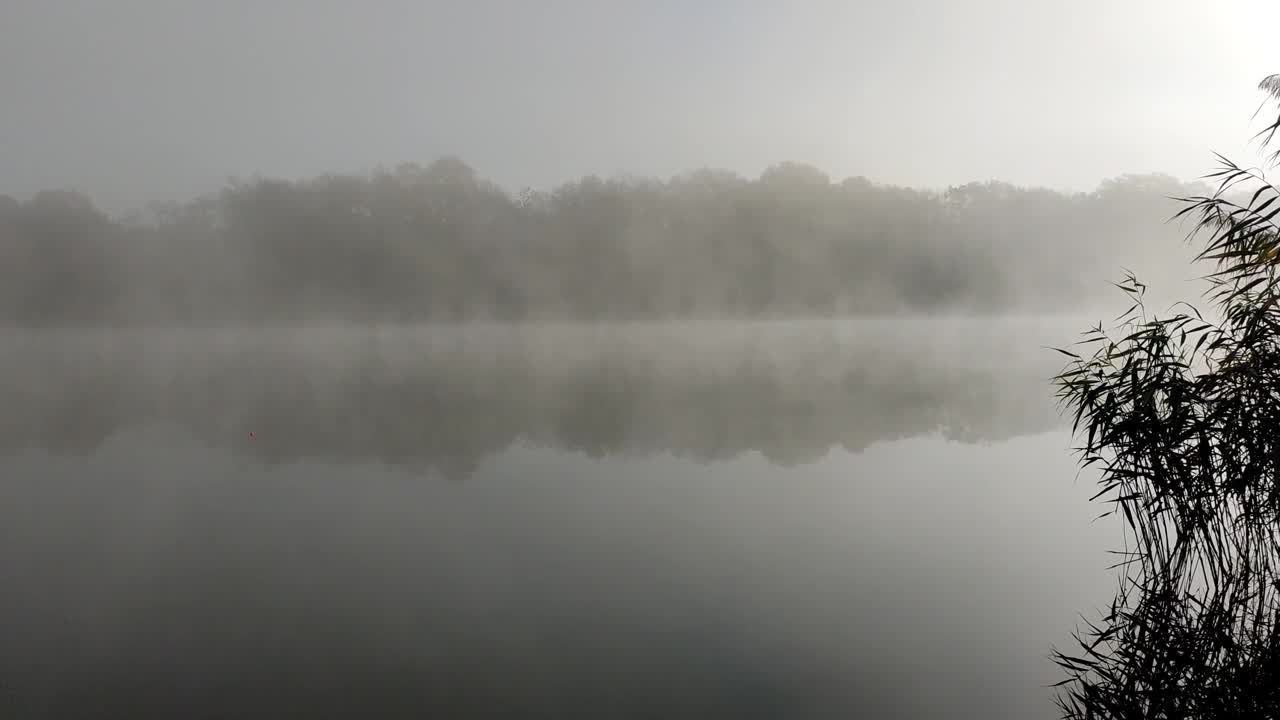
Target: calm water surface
(864, 519)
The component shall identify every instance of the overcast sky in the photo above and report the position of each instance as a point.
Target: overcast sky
(132, 100)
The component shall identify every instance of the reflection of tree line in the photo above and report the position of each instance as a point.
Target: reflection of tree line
(445, 405)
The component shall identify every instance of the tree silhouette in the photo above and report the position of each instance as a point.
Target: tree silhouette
(437, 243)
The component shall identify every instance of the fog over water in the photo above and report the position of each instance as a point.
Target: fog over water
(576, 358)
(872, 518)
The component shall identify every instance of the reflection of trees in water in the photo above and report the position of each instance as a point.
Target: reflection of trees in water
(447, 399)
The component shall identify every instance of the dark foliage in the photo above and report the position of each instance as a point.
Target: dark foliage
(1180, 415)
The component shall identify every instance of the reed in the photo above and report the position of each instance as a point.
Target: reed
(1180, 417)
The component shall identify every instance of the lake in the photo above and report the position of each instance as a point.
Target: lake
(812, 519)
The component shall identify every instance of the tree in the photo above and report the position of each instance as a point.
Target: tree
(1181, 416)
(438, 243)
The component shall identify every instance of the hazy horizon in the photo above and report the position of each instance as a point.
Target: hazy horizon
(161, 200)
(141, 101)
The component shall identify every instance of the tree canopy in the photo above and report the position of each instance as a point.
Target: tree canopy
(439, 243)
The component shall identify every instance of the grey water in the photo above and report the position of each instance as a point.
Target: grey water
(875, 518)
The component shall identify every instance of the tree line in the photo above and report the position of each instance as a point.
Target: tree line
(439, 243)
